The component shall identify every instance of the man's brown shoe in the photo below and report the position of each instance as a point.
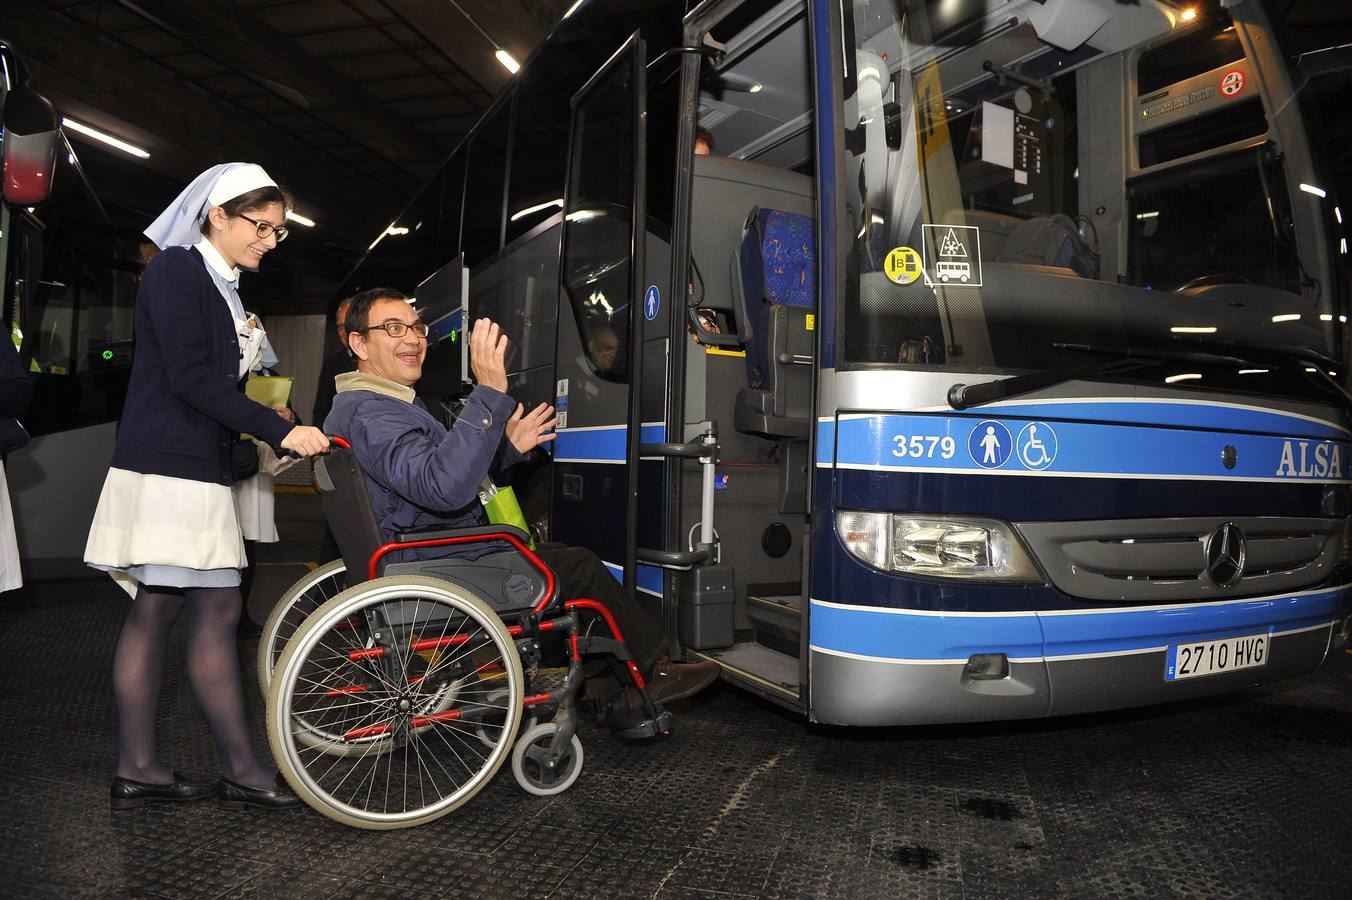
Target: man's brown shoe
(676, 681)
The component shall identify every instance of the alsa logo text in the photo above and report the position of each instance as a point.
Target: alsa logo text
(1303, 459)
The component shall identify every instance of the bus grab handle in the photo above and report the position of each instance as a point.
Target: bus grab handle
(680, 559)
(693, 450)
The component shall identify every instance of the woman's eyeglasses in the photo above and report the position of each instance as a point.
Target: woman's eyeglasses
(396, 329)
(265, 229)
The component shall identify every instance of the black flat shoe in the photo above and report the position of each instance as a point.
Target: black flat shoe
(233, 795)
(128, 794)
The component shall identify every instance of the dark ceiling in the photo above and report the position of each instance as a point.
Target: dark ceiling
(350, 104)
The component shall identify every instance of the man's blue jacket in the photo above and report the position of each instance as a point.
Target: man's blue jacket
(420, 474)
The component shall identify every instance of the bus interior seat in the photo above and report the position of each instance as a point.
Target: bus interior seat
(776, 268)
(1052, 241)
(776, 264)
(775, 404)
(996, 228)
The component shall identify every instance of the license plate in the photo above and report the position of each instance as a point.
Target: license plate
(1216, 657)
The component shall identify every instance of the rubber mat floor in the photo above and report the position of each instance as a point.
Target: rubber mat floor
(1241, 796)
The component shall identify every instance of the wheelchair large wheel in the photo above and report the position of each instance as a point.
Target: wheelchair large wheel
(312, 591)
(378, 702)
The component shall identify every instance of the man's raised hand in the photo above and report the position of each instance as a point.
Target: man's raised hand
(488, 354)
(527, 431)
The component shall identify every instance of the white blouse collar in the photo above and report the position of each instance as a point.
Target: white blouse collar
(216, 261)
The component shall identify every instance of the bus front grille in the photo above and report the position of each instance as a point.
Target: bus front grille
(1166, 560)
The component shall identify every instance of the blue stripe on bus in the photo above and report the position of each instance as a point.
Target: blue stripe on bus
(606, 444)
(953, 443)
(931, 637)
(649, 577)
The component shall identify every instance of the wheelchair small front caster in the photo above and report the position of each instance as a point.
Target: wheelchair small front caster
(530, 762)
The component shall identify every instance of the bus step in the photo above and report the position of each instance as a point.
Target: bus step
(777, 620)
(767, 672)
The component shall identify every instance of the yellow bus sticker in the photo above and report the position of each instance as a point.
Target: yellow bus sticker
(903, 265)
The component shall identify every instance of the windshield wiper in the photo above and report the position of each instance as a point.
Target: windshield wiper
(1128, 359)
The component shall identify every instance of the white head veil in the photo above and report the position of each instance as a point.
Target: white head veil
(180, 225)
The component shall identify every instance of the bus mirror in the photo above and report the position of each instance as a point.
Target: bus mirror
(892, 124)
(31, 137)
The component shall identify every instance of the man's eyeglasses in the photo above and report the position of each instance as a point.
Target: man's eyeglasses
(266, 228)
(396, 329)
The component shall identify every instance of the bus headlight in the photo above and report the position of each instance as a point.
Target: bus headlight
(938, 546)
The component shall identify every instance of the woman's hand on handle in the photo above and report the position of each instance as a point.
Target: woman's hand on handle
(304, 440)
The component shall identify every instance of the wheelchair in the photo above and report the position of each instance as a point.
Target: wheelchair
(396, 690)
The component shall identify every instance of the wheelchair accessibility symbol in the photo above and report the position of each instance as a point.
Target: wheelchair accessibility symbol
(1036, 446)
(990, 444)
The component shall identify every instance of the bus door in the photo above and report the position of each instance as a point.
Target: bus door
(603, 292)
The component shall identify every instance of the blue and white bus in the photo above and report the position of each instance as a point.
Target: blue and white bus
(991, 366)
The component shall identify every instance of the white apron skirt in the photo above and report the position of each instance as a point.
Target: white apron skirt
(10, 576)
(158, 530)
(254, 503)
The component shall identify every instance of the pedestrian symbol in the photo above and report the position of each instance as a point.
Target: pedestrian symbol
(952, 255)
(990, 444)
(903, 265)
(1037, 445)
(651, 301)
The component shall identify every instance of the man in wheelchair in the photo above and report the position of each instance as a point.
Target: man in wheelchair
(422, 475)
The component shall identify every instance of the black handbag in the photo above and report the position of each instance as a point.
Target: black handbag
(12, 435)
(243, 459)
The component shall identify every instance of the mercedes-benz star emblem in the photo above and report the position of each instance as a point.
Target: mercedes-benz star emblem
(1225, 555)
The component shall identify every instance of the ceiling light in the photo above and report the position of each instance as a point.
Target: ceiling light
(1253, 371)
(757, 88)
(397, 230)
(1338, 214)
(299, 219)
(1193, 329)
(1287, 317)
(540, 207)
(1152, 214)
(1188, 14)
(1311, 189)
(508, 63)
(572, 9)
(1187, 376)
(1326, 317)
(80, 128)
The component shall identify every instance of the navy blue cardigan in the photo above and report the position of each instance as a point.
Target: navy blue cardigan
(186, 401)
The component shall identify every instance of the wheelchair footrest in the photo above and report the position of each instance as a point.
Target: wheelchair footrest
(647, 728)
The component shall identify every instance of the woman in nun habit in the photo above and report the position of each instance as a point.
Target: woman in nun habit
(166, 526)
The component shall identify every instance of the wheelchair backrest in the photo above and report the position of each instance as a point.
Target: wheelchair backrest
(347, 506)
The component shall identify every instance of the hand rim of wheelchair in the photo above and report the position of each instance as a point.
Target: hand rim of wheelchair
(270, 647)
(280, 716)
(528, 764)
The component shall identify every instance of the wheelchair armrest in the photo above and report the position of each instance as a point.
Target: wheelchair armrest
(436, 534)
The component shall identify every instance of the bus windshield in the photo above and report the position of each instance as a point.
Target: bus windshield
(1024, 180)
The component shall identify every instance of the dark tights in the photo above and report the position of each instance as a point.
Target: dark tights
(213, 674)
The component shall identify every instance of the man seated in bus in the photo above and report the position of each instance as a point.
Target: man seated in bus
(423, 475)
